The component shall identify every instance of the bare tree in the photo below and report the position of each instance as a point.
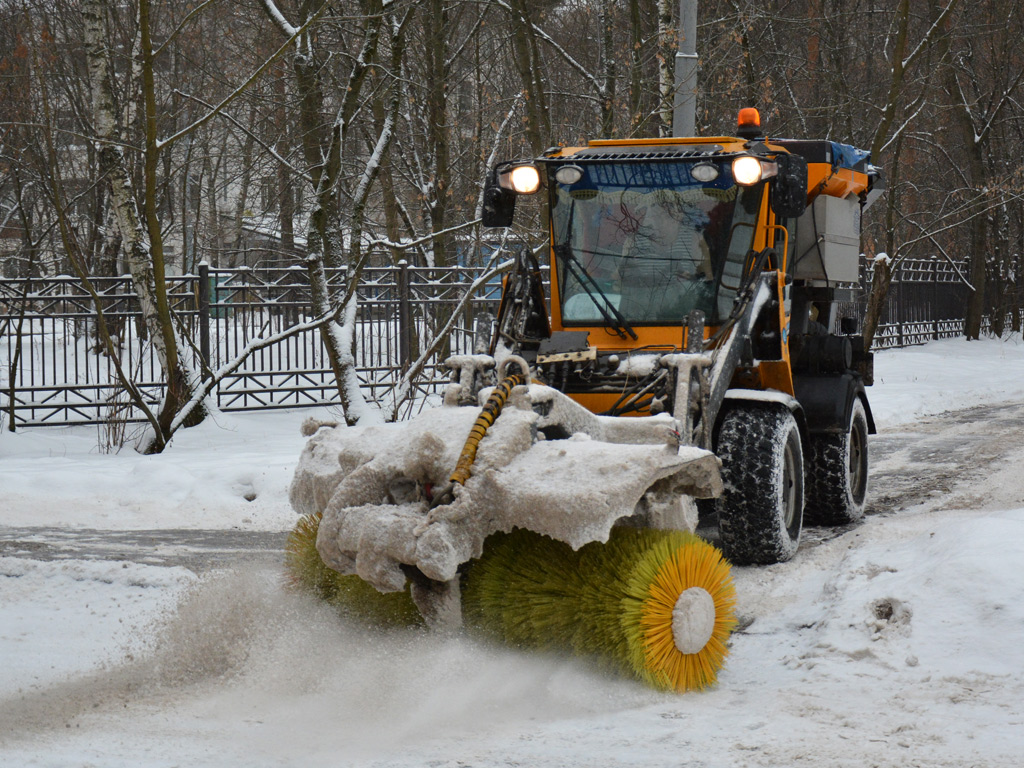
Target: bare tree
(326, 142)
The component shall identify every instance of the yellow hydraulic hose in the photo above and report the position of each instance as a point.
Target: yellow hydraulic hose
(491, 411)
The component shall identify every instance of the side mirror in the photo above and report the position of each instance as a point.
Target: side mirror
(789, 187)
(499, 203)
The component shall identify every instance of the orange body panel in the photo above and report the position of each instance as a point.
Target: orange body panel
(599, 403)
(729, 143)
(821, 179)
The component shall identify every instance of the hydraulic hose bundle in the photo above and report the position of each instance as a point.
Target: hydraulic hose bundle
(491, 411)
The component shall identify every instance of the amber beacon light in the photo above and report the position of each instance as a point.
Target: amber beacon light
(749, 116)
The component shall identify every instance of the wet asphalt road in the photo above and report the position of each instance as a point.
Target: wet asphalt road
(930, 459)
(197, 550)
(910, 465)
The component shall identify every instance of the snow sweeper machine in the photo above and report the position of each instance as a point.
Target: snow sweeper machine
(687, 366)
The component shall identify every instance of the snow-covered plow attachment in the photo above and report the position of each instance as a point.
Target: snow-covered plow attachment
(386, 506)
(378, 488)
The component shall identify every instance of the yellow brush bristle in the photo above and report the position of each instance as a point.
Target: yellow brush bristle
(306, 570)
(614, 601)
(672, 565)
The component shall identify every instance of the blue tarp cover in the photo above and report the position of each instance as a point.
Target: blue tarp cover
(847, 156)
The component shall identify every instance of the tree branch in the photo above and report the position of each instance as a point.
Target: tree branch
(163, 143)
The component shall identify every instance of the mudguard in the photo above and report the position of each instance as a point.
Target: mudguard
(828, 400)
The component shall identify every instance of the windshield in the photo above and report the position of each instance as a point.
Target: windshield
(650, 241)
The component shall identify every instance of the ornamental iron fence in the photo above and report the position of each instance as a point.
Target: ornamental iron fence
(55, 370)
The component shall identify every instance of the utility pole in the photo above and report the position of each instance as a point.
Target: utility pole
(684, 108)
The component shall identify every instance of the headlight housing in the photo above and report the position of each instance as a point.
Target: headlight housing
(521, 179)
(748, 170)
(568, 174)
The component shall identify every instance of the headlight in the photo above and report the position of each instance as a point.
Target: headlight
(568, 174)
(525, 179)
(522, 179)
(747, 170)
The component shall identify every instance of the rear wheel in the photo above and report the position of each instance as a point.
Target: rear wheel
(760, 513)
(837, 472)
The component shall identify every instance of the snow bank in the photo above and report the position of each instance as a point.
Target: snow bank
(231, 471)
(945, 375)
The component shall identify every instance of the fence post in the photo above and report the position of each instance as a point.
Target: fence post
(404, 317)
(898, 278)
(902, 309)
(204, 316)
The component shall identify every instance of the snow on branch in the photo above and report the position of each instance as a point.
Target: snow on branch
(597, 85)
(205, 389)
(278, 18)
(925, 41)
(372, 167)
(1003, 100)
(906, 124)
(384, 242)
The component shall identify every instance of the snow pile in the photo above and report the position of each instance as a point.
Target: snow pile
(231, 471)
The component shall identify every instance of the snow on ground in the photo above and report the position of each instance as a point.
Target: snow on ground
(230, 472)
(896, 643)
(945, 375)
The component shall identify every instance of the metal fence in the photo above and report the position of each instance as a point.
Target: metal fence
(54, 370)
(926, 301)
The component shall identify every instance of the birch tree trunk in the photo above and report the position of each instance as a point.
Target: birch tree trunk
(142, 244)
(666, 65)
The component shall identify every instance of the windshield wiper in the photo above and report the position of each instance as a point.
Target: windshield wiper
(608, 310)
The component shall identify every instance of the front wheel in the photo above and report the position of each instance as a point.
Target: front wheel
(760, 513)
